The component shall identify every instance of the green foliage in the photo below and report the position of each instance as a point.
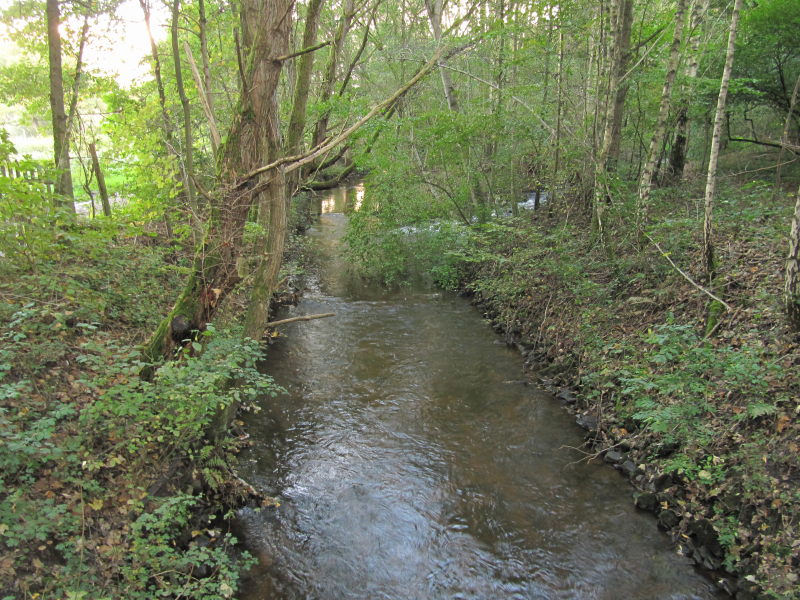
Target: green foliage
(156, 567)
(403, 233)
(675, 386)
(181, 402)
(130, 423)
(31, 225)
(768, 53)
(81, 431)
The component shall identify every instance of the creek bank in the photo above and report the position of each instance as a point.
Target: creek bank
(111, 486)
(655, 491)
(611, 333)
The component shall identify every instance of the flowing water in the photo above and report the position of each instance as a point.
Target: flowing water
(411, 462)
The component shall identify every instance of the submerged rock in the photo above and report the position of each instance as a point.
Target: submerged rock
(629, 468)
(647, 501)
(588, 422)
(667, 519)
(614, 457)
(566, 397)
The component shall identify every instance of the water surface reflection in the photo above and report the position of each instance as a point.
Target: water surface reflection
(412, 463)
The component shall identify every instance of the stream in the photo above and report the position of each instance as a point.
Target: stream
(411, 461)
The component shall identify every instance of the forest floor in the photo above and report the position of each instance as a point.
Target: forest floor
(706, 427)
(109, 487)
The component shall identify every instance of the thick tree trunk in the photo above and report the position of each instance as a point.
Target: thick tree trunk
(101, 180)
(245, 178)
(253, 140)
(63, 185)
(622, 52)
(792, 280)
(713, 156)
(648, 172)
(276, 199)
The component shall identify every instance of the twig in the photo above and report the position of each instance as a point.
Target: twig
(301, 52)
(202, 92)
(689, 279)
(301, 318)
(711, 333)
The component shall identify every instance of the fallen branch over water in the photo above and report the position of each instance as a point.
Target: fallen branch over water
(300, 318)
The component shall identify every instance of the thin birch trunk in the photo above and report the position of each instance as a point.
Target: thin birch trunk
(204, 57)
(792, 278)
(204, 97)
(787, 124)
(557, 141)
(648, 172)
(713, 157)
(434, 9)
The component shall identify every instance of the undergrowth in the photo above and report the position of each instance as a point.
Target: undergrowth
(109, 487)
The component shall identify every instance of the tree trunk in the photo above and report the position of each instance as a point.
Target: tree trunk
(205, 100)
(792, 280)
(648, 172)
(179, 175)
(245, 178)
(677, 157)
(554, 179)
(63, 185)
(326, 91)
(434, 8)
(203, 22)
(359, 52)
(253, 140)
(162, 97)
(622, 52)
(188, 141)
(713, 156)
(785, 137)
(297, 120)
(101, 180)
(620, 13)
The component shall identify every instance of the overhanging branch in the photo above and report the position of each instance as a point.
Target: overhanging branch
(303, 51)
(291, 163)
